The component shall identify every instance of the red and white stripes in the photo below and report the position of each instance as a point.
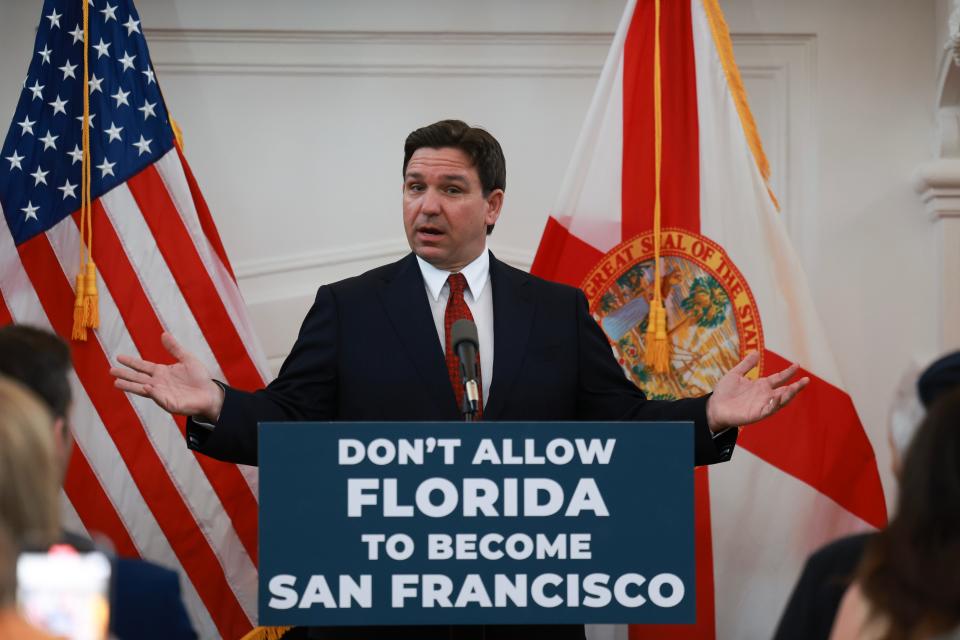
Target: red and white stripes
(161, 267)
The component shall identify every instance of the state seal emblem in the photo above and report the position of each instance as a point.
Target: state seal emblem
(712, 317)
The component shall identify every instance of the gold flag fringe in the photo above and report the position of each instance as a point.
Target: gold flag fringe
(267, 633)
(721, 37)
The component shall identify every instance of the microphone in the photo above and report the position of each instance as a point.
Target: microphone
(466, 345)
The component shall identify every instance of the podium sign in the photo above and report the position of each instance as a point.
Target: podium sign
(484, 523)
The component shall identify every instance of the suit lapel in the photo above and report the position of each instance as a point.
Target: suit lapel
(405, 302)
(513, 307)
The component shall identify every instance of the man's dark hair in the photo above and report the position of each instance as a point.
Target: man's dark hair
(40, 360)
(481, 147)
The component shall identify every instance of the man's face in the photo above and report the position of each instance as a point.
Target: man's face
(445, 213)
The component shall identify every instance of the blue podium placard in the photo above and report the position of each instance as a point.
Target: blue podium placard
(485, 523)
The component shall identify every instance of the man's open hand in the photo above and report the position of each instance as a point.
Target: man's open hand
(184, 388)
(738, 400)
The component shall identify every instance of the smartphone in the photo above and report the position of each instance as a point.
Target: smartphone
(65, 592)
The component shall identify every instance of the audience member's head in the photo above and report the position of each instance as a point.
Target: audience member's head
(40, 360)
(909, 573)
(917, 391)
(29, 469)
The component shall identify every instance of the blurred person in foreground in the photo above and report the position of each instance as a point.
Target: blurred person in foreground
(908, 584)
(28, 495)
(813, 605)
(146, 601)
(12, 624)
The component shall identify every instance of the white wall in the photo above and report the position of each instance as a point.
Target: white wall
(873, 268)
(294, 113)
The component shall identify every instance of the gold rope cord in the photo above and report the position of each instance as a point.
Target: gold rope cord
(657, 352)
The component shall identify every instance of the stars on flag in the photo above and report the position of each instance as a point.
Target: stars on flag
(121, 97)
(37, 90)
(15, 161)
(133, 26)
(68, 189)
(113, 132)
(49, 141)
(147, 109)
(59, 106)
(76, 155)
(90, 125)
(68, 70)
(109, 13)
(54, 19)
(95, 83)
(103, 48)
(27, 126)
(31, 211)
(77, 34)
(127, 61)
(106, 168)
(143, 145)
(39, 177)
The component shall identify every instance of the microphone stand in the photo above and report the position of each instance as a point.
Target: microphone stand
(471, 398)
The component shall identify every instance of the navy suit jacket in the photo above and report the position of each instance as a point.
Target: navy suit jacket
(368, 351)
(145, 600)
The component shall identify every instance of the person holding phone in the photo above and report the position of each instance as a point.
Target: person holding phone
(28, 495)
(146, 601)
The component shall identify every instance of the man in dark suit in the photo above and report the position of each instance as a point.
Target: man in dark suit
(377, 347)
(145, 598)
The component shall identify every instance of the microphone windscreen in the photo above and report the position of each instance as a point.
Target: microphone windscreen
(464, 330)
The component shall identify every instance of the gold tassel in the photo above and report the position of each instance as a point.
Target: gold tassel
(79, 329)
(177, 132)
(657, 354)
(266, 633)
(91, 306)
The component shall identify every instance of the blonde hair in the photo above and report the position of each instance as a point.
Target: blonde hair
(29, 472)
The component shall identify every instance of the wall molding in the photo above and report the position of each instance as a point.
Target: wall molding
(361, 252)
(316, 36)
(288, 264)
(378, 53)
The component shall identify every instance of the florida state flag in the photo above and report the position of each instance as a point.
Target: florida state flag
(670, 103)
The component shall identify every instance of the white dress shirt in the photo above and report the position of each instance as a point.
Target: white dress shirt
(479, 298)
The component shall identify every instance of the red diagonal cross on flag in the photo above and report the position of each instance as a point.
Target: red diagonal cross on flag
(731, 283)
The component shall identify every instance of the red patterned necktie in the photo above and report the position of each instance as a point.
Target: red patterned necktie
(457, 309)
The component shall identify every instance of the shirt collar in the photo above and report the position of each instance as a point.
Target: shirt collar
(477, 274)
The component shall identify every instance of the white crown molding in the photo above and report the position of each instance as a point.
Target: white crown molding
(273, 36)
(365, 252)
(378, 53)
(395, 53)
(286, 264)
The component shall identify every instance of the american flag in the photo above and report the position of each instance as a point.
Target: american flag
(161, 266)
